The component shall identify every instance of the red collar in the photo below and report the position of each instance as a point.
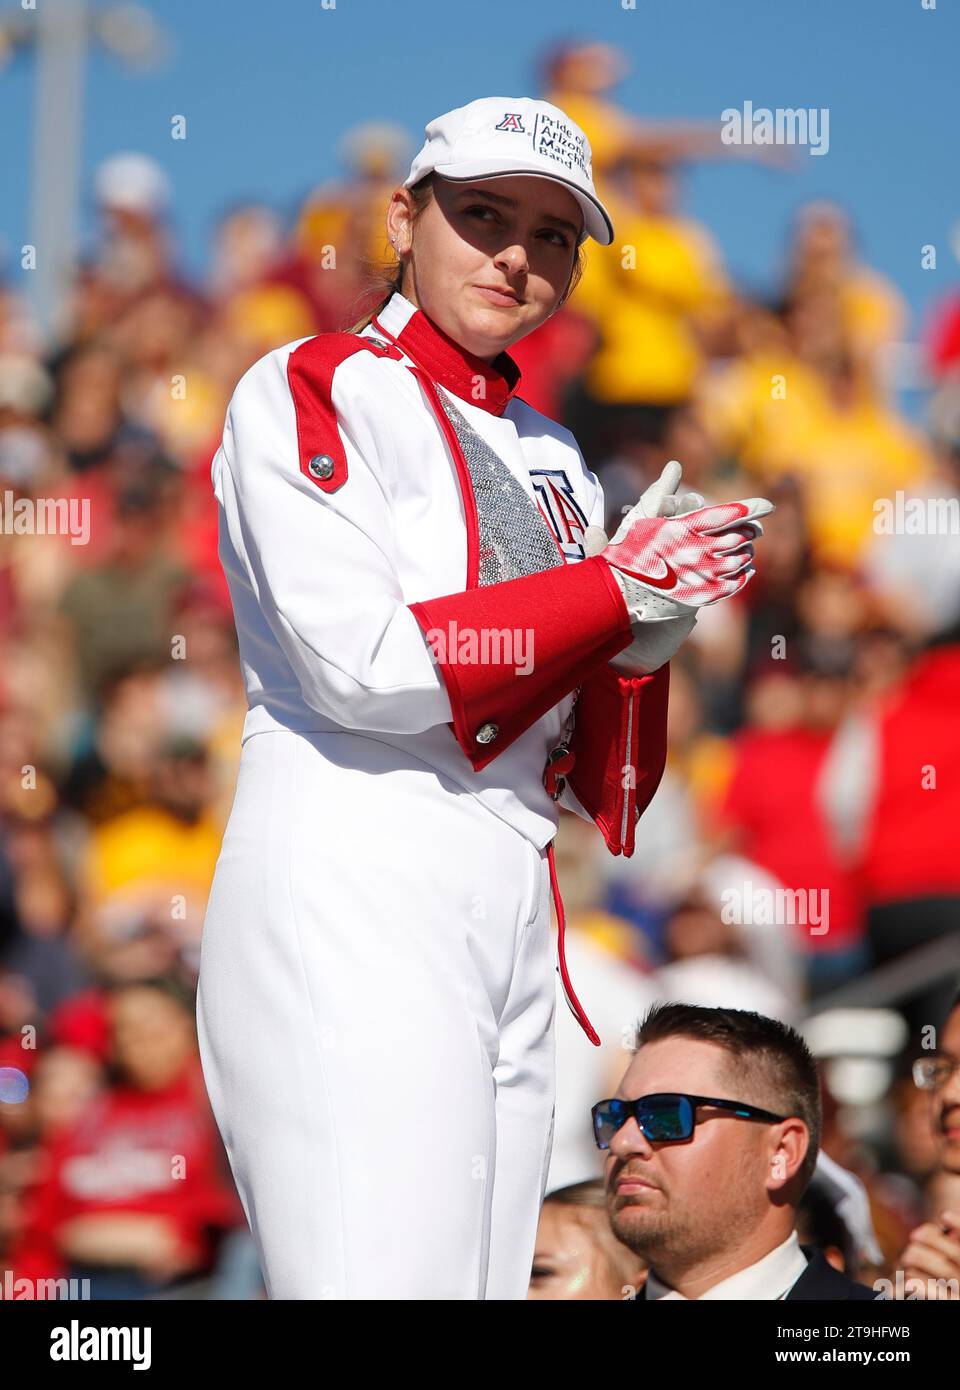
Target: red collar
(452, 366)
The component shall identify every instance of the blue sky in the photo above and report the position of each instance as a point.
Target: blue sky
(268, 90)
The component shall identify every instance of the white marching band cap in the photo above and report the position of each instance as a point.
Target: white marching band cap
(495, 137)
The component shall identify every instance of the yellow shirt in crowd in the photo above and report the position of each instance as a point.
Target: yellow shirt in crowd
(605, 126)
(779, 418)
(646, 293)
(847, 459)
(148, 851)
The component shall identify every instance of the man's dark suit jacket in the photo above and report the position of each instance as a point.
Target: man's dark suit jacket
(818, 1281)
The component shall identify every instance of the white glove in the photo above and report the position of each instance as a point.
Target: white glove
(657, 635)
(660, 624)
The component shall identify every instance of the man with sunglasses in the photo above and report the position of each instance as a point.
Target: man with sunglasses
(711, 1140)
(932, 1254)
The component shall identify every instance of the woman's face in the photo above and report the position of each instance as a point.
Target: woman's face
(516, 234)
(578, 1258)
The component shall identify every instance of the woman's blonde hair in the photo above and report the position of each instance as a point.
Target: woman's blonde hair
(387, 276)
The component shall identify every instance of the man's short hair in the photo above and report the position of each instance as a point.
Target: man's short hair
(770, 1064)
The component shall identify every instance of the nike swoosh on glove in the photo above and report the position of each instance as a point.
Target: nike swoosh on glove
(696, 558)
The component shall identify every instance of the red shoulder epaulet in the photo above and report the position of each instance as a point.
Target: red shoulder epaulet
(310, 369)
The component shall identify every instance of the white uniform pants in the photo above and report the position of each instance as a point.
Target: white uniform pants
(375, 1018)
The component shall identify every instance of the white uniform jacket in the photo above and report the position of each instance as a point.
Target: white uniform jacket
(349, 537)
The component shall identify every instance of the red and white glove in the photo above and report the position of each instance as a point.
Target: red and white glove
(695, 558)
(661, 623)
(660, 626)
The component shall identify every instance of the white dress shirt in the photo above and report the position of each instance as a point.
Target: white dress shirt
(771, 1278)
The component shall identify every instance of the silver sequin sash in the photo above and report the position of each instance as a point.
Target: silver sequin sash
(514, 539)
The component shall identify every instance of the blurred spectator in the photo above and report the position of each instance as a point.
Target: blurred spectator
(133, 197)
(86, 414)
(650, 295)
(820, 1224)
(771, 812)
(119, 612)
(834, 1215)
(577, 1256)
(821, 261)
(895, 792)
(708, 963)
(916, 574)
(932, 1254)
(111, 770)
(126, 1196)
(40, 949)
(248, 242)
(577, 76)
(147, 872)
(943, 332)
(340, 232)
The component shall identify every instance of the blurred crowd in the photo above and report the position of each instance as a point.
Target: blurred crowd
(814, 745)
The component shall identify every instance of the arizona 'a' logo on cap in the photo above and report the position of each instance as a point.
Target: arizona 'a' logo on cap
(511, 121)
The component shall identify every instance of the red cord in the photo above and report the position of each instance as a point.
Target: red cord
(576, 1008)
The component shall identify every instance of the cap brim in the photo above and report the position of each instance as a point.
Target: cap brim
(596, 221)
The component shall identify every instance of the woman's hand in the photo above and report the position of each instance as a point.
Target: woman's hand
(932, 1257)
(148, 1241)
(697, 558)
(661, 625)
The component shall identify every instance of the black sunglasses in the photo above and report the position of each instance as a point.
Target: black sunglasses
(668, 1116)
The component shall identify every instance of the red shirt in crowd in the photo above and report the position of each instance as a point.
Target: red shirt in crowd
(911, 839)
(772, 802)
(138, 1151)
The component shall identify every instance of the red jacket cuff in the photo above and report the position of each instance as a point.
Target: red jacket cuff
(619, 745)
(509, 652)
